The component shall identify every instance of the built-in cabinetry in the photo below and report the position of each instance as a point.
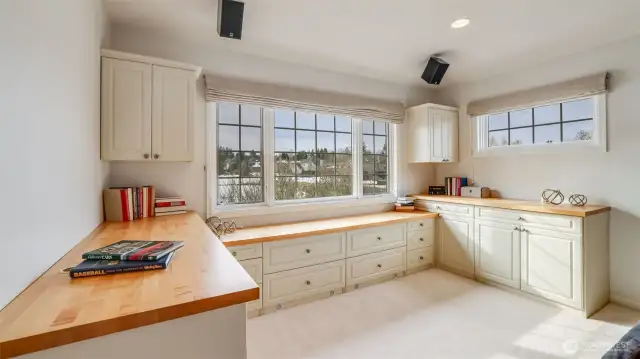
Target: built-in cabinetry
(557, 257)
(147, 108)
(307, 268)
(432, 134)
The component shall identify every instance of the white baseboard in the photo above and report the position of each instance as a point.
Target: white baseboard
(625, 302)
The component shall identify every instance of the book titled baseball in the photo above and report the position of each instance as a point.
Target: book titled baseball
(93, 268)
(134, 250)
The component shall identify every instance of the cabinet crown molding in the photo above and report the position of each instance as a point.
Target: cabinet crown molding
(114, 54)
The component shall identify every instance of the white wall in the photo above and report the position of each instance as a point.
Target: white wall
(606, 178)
(188, 179)
(52, 176)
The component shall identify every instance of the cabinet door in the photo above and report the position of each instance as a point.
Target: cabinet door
(126, 110)
(444, 135)
(497, 252)
(552, 265)
(418, 149)
(173, 118)
(455, 244)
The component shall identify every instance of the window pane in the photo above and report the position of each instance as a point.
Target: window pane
(520, 118)
(368, 164)
(305, 120)
(367, 127)
(344, 165)
(305, 164)
(380, 128)
(285, 164)
(521, 136)
(305, 141)
(546, 114)
(285, 140)
(228, 190)
(305, 187)
(285, 188)
(577, 110)
(228, 113)
(251, 138)
(251, 164)
(344, 185)
(368, 184)
(367, 144)
(326, 164)
(326, 187)
(547, 134)
(284, 118)
(343, 143)
(250, 115)
(381, 165)
(577, 131)
(343, 124)
(326, 142)
(381, 145)
(498, 121)
(325, 122)
(498, 138)
(228, 164)
(251, 190)
(380, 185)
(228, 138)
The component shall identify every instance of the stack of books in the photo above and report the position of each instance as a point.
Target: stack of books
(128, 203)
(126, 256)
(453, 185)
(167, 206)
(404, 204)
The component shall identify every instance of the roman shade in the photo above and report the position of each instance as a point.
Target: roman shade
(281, 96)
(584, 86)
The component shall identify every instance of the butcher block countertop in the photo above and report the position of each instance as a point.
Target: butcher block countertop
(324, 226)
(55, 310)
(520, 205)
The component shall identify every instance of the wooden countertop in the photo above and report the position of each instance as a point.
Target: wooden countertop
(323, 226)
(520, 205)
(55, 310)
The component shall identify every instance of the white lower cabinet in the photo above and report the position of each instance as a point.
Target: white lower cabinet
(455, 244)
(304, 282)
(551, 265)
(255, 305)
(497, 252)
(302, 252)
(376, 265)
(422, 257)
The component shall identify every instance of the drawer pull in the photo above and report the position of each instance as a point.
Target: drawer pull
(421, 239)
(421, 257)
(379, 238)
(421, 224)
(234, 253)
(516, 228)
(308, 250)
(379, 265)
(308, 282)
(524, 230)
(438, 207)
(520, 219)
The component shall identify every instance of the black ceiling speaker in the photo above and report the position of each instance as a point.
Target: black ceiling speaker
(434, 72)
(230, 18)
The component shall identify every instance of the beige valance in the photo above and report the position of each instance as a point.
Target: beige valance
(281, 96)
(584, 86)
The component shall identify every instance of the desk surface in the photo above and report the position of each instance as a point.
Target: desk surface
(55, 310)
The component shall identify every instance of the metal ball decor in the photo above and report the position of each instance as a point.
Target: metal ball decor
(219, 227)
(552, 196)
(578, 200)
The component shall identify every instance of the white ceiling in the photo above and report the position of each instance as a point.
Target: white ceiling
(392, 39)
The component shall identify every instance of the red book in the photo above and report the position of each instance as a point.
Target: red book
(171, 204)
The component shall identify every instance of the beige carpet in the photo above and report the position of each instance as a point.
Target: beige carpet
(434, 315)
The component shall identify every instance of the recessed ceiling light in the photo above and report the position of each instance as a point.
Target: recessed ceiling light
(460, 23)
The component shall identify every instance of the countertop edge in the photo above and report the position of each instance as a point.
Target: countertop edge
(49, 340)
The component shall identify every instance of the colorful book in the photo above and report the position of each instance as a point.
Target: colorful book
(93, 268)
(171, 209)
(170, 213)
(134, 250)
(170, 202)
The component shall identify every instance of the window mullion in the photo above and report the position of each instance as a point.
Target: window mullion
(356, 160)
(268, 139)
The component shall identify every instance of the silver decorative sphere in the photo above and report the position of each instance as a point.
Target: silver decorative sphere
(578, 200)
(552, 196)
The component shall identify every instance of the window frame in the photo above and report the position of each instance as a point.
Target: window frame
(270, 205)
(480, 132)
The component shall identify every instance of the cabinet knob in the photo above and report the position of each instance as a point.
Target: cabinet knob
(516, 228)
(379, 265)
(146, 155)
(156, 156)
(234, 253)
(308, 282)
(308, 250)
(379, 238)
(421, 239)
(520, 219)
(524, 230)
(421, 257)
(421, 224)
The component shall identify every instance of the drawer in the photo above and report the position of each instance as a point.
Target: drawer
(248, 251)
(419, 257)
(376, 239)
(450, 208)
(420, 239)
(254, 268)
(303, 252)
(372, 266)
(255, 304)
(554, 222)
(497, 214)
(420, 225)
(299, 283)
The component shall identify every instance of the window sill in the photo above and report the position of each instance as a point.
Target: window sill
(299, 207)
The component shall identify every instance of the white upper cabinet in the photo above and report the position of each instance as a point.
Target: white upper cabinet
(433, 134)
(147, 108)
